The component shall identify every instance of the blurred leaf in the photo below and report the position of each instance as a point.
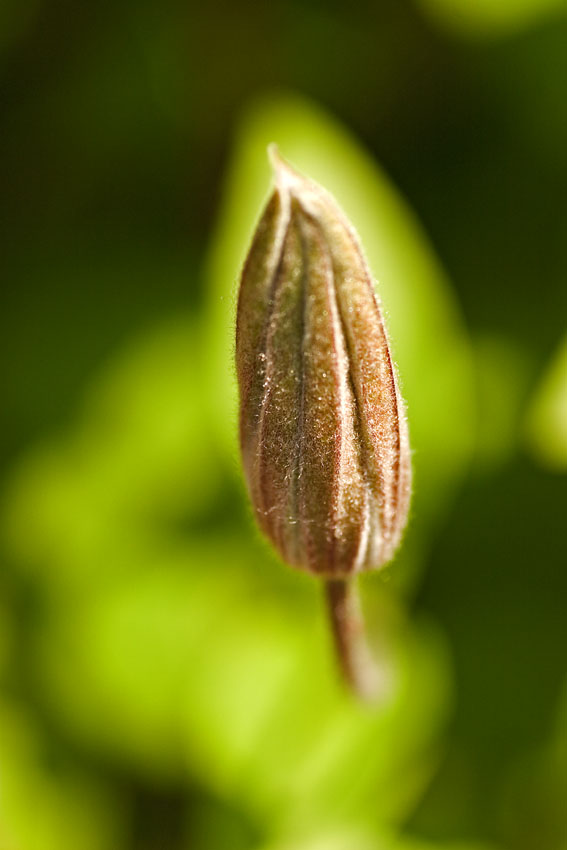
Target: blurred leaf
(341, 838)
(140, 455)
(6, 636)
(338, 837)
(196, 667)
(546, 428)
(416, 844)
(145, 641)
(503, 371)
(535, 790)
(44, 803)
(490, 17)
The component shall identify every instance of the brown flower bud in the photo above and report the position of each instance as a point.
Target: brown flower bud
(322, 426)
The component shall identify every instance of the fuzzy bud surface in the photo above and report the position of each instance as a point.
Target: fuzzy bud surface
(323, 431)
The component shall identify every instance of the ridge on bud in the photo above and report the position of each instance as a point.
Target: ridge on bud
(323, 431)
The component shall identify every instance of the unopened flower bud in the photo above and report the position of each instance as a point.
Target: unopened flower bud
(323, 431)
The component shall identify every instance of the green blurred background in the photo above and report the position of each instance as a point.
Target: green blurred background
(166, 683)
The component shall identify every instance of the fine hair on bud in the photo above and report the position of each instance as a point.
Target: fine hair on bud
(323, 430)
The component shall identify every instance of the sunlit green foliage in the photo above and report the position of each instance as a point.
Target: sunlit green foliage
(547, 420)
(489, 18)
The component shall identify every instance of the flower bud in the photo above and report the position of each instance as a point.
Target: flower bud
(323, 431)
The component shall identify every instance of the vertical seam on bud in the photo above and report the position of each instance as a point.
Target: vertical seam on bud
(342, 378)
(389, 529)
(339, 385)
(396, 484)
(389, 517)
(244, 390)
(364, 442)
(396, 476)
(387, 512)
(363, 450)
(330, 559)
(284, 231)
(299, 524)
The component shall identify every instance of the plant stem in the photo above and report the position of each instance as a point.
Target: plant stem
(355, 661)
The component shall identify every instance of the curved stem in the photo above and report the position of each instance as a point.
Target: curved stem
(355, 661)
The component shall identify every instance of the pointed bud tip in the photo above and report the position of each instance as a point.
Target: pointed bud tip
(285, 176)
(274, 155)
